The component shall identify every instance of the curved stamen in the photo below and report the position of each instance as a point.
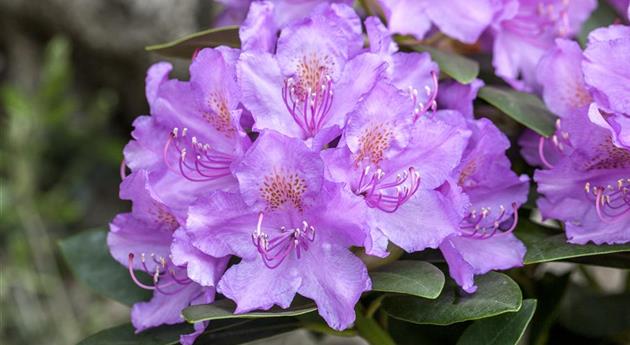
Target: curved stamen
(430, 104)
(605, 206)
(204, 164)
(471, 227)
(157, 274)
(308, 107)
(123, 169)
(541, 153)
(273, 252)
(387, 196)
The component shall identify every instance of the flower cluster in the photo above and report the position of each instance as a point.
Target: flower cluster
(585, 175)
(266, 173)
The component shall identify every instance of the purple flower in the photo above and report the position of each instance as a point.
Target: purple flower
(193, 134)
(622, 7)
(524, 30)
(588, 187)
(607, 73)
(483, 240)
(392, 161)
(265, 19)
(313, 80)
(415, 73)
(291, 228)
(149, 239)
(464, 20)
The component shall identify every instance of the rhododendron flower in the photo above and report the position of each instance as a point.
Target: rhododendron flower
(144, 240)
(193, 133)
(464, 20)
(525, 30)
(588, 187)
(483, 240)
(313, 80)
(607, 73)
(392, 160)
(291, 228)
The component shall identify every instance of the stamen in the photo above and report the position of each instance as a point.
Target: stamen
(203, 164)
(157, 274)
(123, 169)
(390, 196)
(274, 251)
(471, 226)
(430, 104)
(611, 203)
(308, 105)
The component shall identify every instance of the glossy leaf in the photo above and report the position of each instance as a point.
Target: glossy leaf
(185, 47)
(458, 67)
(524, 108)
(496, 294)
(88, 257)
(544, 244)
(505, 329)
(415, 278)
(224, 309)
(220, 332)
(370, 330)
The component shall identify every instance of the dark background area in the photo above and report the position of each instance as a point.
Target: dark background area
(71, 83)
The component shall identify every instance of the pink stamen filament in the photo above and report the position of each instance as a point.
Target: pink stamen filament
(207, 164)
(431, 103)
(123, 169)
(308, 108)
(470, 226)
(611, 207)
(390, 196)
(273, 252)
(157, 274)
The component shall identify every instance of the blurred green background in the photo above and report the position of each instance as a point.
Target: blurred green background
(71, 82)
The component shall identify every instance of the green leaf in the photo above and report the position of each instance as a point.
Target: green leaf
(186, 46)
(88, 257)
(220, 332)
(124, 335)
(370, 330)
(524, 108)
(458, 67)
(543, 244)
(505, 329)
(603, 16)
(415, 278)
(224, 309)
(496, 294)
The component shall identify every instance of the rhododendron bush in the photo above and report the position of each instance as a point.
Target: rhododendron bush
(360, 170)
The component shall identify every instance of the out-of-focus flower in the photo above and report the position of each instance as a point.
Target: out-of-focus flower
(315, 78)
(463, 20)
(291, 228)
(607, 74)
(525, 30)
(144, 240)
(483, 240)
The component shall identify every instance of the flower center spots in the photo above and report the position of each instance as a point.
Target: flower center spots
(279, 189)
(612, 157)
(373, 143)
(308, 95)
(163, 216)
(219, 117)
(468, 170)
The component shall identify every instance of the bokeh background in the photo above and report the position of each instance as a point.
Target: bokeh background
(71, 82)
